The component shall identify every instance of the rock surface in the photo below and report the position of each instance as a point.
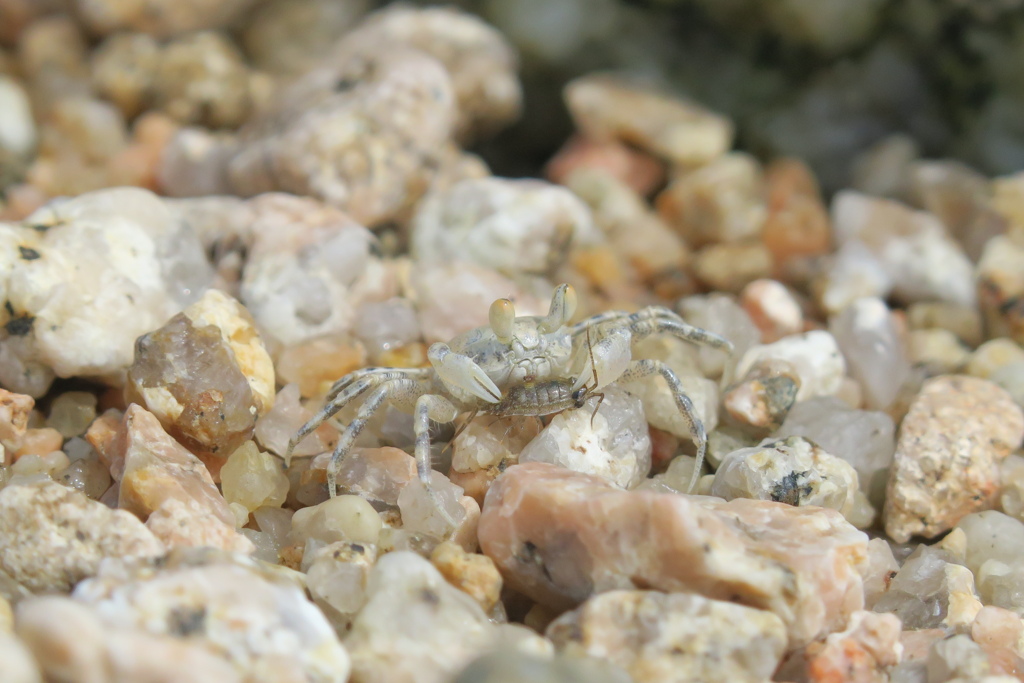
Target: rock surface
(52, 537)
(947, 458)
(673, 637)
(560, 536)
(815, 356)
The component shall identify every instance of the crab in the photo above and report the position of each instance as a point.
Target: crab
(526, 365)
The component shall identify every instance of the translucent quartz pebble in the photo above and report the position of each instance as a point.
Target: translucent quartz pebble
(72, 412)
(253, 478)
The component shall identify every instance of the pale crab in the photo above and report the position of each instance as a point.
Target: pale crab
(527, 365)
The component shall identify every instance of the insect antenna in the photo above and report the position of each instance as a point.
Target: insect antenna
(593, 367)
(461, 428)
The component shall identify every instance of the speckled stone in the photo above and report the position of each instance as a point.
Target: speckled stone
(559, 536)
(947, 457)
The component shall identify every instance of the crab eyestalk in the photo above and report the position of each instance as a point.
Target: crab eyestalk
(502, 317)
(563, 306)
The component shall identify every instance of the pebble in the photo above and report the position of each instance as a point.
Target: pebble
(605, 159)
(749, 552)
(205, 375)
(792, 471)
(673, 637)
(963, 321)
(279, 424)
(480, 60)
(52, 537)
(376, 474)
(998, 632)
(14, 413)
(940, 352)
(610, 441)
(947, 459)
(511, 666)
(485, 448)
(773, 308)
(913, 247)
(722, 201)
(18, 134)
(814, 355)
(863, 652)
(288, 38)
(311, 139)
(957, 658)
(865, 439)
(604, 107)
(636, 232)
(930, 590)
(253, 478)
(38, 442)
(314, 365)
(169, 488)
(851, 273)
(336, 578)
(72, 412)
(308, 267)
(760, 401)
(993, 549)
(255, 618)
(797, 223)
(344, 518)
(719, 313)
(992, 356)
(512, 226)
(421, 513)
(386, 326)
(872, 345)
(472, 573)
(160, 18)
(731, 266)
(136, 266)
(415, 626)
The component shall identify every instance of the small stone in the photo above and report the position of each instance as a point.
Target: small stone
(963, 321)
(414, 627)
(52, 537)
(719, 313)
(344, 518)
(742, 550)
(17, 128)
(851, 273)
(865, 439)
(479, 59)
(376, 474)
(123, 69)
(731, 266)
(947, 458)
(760, 401)
(998, 632)
(512, 226)
(792, 471)
(797, 224)
(253, 479)
(612, 442)
(1000, 286)
(720, 202)
(882, 568)
(940, 352)
(1011, 486)
(994, 541)
(72, 412)
(485, 448)
(14, 412)
(205, 375)
(673, 637)
(773, 308)
(337, 578)
(50, 464)
(254, 617)
(604, 107)
(957, 657)
(39, 442)
(926, 590)
(992, 356)
(861, 653)
(169, 488)
(512, 666)
(913, 247)
(872, 345)
(473, 574)
(95, 312)
(420, 513)
(88, 475)
(815, 356)
(386, 326)
(595, 160)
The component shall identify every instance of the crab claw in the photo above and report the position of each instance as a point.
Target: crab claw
(602, 362)
(461, 372)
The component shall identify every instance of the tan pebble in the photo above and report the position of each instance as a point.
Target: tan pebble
(476, 575)
(39, 442)
(729, 267)
(316, 364)
(640, 171)
(992, 355)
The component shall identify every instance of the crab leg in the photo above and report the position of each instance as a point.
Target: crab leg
(639, 369)
(653, 320)
(439, 409)
(386, 373)
(396, 390)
